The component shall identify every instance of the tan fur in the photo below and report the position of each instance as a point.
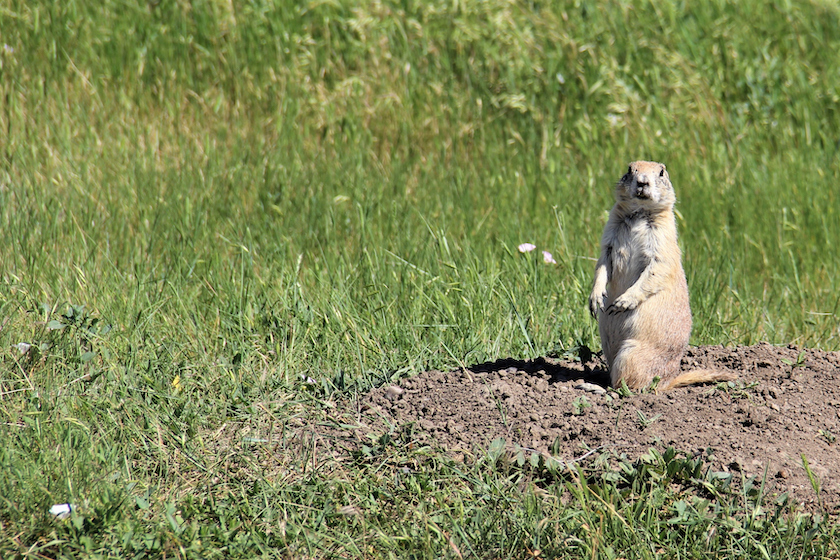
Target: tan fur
(640, 295)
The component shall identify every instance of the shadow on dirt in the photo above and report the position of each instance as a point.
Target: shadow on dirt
(559, 371)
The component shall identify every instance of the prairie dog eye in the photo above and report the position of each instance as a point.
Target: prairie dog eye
(662, 172)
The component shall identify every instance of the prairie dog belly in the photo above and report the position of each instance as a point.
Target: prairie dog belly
(631, 254)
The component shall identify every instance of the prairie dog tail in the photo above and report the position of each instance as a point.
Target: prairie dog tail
(696, 376)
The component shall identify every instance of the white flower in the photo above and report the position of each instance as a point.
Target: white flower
(547, 258)
(61, 511)
(526, 247)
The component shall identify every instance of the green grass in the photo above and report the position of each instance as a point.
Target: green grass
(204, 203)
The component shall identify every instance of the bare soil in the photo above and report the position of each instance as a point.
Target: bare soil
(784, 405)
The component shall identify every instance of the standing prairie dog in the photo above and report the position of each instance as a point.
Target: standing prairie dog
(640, 295)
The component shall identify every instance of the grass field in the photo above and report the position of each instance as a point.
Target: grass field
(205, 203)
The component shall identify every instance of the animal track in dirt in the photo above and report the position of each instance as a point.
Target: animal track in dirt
(784, 405)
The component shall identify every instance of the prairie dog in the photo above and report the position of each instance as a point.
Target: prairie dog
(640, 295)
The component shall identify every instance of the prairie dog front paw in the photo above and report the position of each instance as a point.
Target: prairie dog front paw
(625, 302)
(596, 302)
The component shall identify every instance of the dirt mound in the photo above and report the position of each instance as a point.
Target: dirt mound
(785, 404)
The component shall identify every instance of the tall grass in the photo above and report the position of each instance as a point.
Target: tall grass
(205, 203)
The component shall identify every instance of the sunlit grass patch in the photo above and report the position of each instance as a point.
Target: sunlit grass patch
(220, 219)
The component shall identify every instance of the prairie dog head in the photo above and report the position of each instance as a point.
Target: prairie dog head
(646, 185)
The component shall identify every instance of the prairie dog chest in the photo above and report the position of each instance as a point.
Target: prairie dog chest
(633, 245)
